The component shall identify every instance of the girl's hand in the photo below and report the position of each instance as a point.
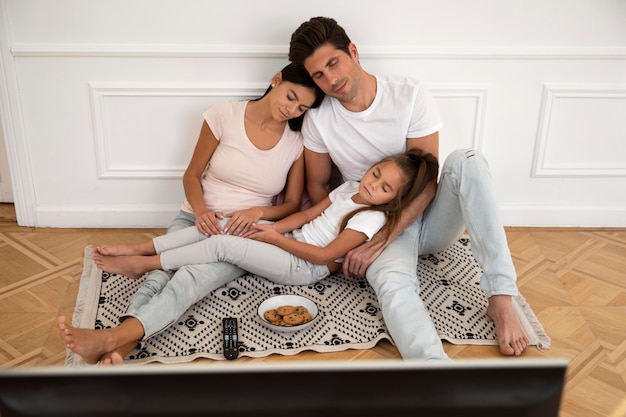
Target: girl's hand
(208, 222)
(263, 233)
(241, 221)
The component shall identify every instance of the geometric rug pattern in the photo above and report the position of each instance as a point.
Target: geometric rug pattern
(349, 317)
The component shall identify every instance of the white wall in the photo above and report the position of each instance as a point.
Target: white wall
(101, 100)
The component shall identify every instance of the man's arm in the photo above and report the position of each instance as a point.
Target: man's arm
(359, 259)
(318, 169)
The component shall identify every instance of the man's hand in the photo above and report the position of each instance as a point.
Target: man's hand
(356, 261)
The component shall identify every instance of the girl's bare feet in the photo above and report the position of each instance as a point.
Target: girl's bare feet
(512, 337)
(129, 266)
(145, 248)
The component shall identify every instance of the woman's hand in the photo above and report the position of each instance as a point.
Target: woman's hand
(241, 221)
(208, 223)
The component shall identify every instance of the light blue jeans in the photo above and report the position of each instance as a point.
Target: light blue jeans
(166, 295)
(465, 200)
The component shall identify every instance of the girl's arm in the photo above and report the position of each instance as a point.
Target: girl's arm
(348, 239)
(300, 218)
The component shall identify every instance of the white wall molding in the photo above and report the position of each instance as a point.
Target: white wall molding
(563, 216)
(30, 50)
(101, 91)
(553, 99)
(107, 215)
(478, 93)
(18, 152)
(161, 215)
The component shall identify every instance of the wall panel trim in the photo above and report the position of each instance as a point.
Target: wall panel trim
(554, 92)
(280, 51)
(99, 91)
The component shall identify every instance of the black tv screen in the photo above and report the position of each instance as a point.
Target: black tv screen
(508, 387)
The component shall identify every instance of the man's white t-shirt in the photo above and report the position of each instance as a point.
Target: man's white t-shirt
(403, 108)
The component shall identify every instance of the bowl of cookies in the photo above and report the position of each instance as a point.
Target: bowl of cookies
(288, 313)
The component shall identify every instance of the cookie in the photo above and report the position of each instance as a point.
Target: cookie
(293, 319)
(286, 310)
(272, 316)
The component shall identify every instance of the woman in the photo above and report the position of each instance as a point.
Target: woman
(247, 152)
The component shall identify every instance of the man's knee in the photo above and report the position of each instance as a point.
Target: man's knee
(464, 158)
(389, 277)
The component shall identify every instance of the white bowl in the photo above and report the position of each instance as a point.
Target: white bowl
(288, 300)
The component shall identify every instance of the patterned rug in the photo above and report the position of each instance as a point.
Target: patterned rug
(349, 317)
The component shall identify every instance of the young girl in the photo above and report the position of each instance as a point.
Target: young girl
(283, 252)
(300, 249)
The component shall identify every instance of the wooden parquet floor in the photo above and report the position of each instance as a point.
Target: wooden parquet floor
(574, 280)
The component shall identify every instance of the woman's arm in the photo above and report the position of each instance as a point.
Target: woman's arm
(206, 221)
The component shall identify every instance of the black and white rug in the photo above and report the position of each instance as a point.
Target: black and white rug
(349, 317)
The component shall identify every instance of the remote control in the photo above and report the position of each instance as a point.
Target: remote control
(231, 351)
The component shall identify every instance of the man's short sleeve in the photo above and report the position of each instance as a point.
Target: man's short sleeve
(425, 119)
(313, 139)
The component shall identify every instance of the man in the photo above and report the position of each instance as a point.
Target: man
(365, 117)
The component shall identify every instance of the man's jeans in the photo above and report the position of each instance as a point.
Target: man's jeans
(465, 200)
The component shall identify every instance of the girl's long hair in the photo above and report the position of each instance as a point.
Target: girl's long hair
(420, 169)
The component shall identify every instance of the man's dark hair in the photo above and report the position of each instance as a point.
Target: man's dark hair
(313, 34)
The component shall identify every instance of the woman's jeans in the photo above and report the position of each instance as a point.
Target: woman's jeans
(166, 295)
(465, 200)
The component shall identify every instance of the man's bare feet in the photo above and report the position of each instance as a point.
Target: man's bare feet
(130, 266)
(512, 337)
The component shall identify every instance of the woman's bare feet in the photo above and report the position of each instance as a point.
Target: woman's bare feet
(108, 346)
(88, 343)
(512, 337)
(113, 359)
(129, 266)
(117, 357)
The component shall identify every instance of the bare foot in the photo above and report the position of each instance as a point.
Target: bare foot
(145, 248)
(116, 357)
(511, 335)
(130, 266)
(88, 343)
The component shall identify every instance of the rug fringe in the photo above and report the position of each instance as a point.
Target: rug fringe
(80, 318)
(543, 340)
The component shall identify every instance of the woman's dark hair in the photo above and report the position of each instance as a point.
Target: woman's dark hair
(420, 169)
(313, 34)
(299, 76)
